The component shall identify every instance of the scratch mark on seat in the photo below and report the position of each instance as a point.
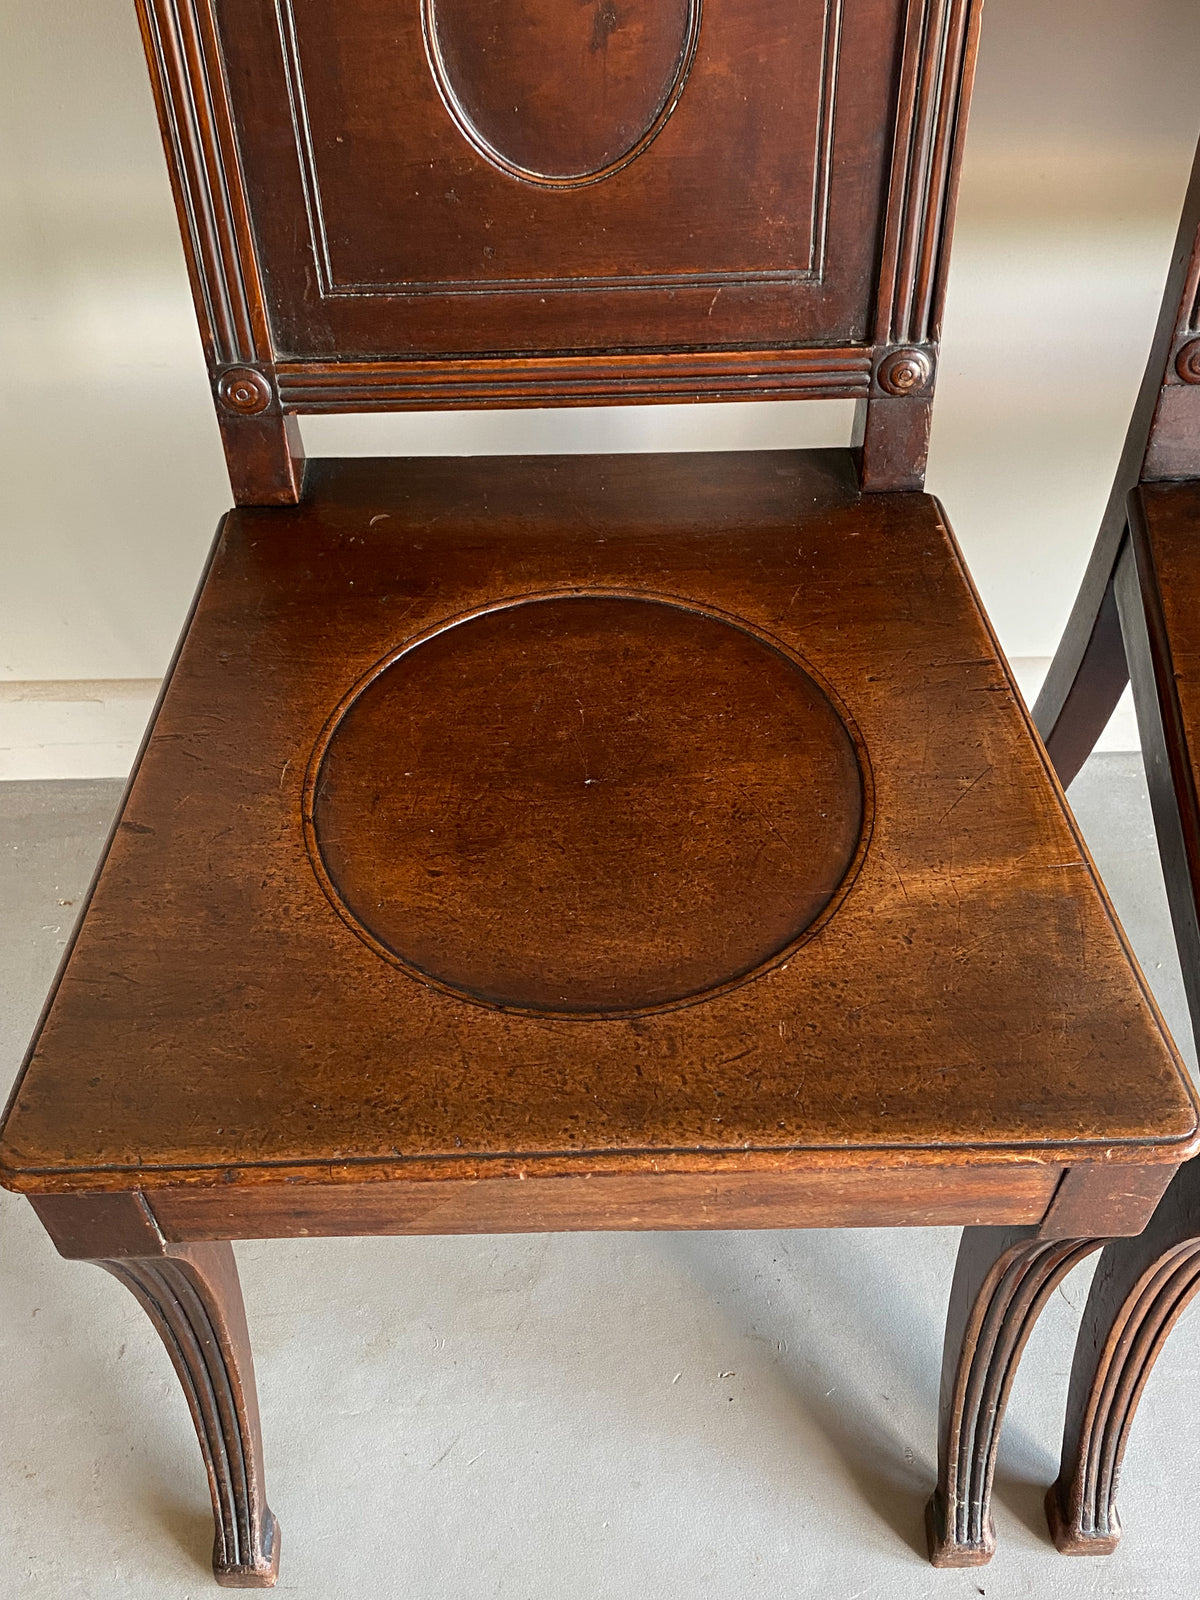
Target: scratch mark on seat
(757, 809)
(966, 791)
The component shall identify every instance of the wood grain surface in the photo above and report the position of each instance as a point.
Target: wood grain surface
(969, 998)
(670, 793)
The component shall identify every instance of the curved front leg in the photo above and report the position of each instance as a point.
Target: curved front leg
(1141, 1288)
(1003, 1278)
(193, 1297)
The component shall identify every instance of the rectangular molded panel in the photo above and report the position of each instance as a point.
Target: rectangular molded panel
(478, 177)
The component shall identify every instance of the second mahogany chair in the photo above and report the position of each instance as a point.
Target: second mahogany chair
(591, 842)
(1138, 617)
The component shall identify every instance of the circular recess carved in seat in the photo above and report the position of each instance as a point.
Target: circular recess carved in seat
(589, 804)
(560, 95)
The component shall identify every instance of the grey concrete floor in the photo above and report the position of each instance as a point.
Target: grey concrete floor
(735, 1416)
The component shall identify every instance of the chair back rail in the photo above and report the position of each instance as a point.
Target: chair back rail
(465, 203)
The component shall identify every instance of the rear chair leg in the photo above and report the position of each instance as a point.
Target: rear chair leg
(1086, 679)
(1141, 1288)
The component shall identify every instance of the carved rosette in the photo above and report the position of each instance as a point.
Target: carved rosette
(1187, 362)
(905, 372)
(244, 390)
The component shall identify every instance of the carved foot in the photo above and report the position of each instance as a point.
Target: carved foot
(1003, 1279)
(1070, 1538)
(945, 1550)
(193, 1297)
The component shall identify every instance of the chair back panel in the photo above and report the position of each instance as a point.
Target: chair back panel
(404, 203)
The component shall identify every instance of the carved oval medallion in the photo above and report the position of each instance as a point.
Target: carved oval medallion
(560, 92)
(587, 805)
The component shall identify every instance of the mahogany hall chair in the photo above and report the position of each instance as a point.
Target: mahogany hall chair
(590, 842)
(1138, 617)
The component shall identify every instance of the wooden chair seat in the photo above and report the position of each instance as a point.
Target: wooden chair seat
(652, 813)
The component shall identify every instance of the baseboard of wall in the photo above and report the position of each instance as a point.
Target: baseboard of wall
(92, 728)
(88, 728)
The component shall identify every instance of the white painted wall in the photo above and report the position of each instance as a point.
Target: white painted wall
(1084, 121)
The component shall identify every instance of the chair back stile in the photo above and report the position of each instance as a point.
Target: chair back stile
(1173, 441)
(506, 203)
(1089, 672)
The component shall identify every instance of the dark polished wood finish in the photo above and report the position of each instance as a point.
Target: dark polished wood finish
(482, 204)
(192, 1296)
(591, 735)
(589, 843)
(1136, 618)
(422, 1035)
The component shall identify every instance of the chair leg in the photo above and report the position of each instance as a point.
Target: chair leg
(1086, 679)
(1141, 1288)
(1003, 1278)
(193, 1297)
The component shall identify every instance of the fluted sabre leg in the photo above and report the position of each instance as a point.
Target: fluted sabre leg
(1142, 1286)
(1003, 1279)
(193, 1297)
